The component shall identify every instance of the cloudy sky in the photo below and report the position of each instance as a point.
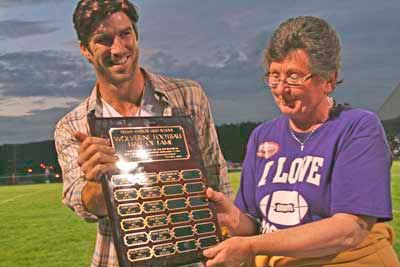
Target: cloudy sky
(218, 43)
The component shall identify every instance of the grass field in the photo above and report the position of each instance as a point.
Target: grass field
(37, 230)
(396, 203)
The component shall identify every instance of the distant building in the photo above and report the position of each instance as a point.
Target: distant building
(389, 113)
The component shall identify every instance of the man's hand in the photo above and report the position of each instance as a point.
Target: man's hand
(231, 252)
(96, 157)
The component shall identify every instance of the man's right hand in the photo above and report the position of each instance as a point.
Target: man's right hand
(96, 157)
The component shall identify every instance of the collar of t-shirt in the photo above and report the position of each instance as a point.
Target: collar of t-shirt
(149, 106)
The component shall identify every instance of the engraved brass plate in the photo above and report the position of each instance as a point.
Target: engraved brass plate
(173, 190)
(132, 224)
(136, 239)
(148, 144)
(164, 250)
(139, 254)
(160, 235)
(203, 214)
(177, 203)
(191, 174)
(146, 179)
(153, 206)
(179, 217)
(156, 221)
(129, 209)
(134, 179)
(123, 180)
(195, 188)
(203, 228)
(125, 194)
(169, 176)
(200, 201)
(150, 192)
(187, 245)
(208, 241)
(184, 231)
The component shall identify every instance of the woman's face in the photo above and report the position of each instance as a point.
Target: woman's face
(301, 101)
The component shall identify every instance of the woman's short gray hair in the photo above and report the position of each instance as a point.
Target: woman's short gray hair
(318, 39)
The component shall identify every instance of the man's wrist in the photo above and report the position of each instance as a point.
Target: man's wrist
(93, 199)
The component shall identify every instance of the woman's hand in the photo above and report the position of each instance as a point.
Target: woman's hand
(228, 214)
(231, 252)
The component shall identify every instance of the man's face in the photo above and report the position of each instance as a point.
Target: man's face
(113, 49)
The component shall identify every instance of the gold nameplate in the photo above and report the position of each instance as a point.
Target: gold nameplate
(170, 176)
(125, 194)
(136, 239)
(150, 192)
(132, 224)
(153, 206)
(139, 254)
(164, 250)
(179, 217)
(204, 228)
(129, 209)
(160, 235)
(147, 144)
(156, 221)
(198, 215)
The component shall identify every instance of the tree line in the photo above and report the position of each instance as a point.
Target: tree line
(19, 158)
(232, 137)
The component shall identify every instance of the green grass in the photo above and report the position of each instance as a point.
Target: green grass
(37, 230)
(396, 203)
(235, 180)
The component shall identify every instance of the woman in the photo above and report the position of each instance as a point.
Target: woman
(315, 181)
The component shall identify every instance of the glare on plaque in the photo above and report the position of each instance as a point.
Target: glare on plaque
(126, 167)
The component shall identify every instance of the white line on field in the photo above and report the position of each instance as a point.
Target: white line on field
(396, 211)
(22, 195)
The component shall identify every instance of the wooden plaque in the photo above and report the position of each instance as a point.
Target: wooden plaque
(156, 200)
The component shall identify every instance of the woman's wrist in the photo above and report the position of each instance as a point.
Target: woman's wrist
(251, 246)
(234, 221)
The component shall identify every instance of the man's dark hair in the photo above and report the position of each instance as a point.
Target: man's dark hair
(88, 13)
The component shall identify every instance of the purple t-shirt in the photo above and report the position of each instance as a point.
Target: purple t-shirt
(344, 168)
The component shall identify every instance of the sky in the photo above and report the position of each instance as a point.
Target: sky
(217, 43)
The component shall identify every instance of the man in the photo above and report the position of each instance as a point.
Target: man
(108, 38)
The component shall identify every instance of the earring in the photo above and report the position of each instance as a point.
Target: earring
(330, 100)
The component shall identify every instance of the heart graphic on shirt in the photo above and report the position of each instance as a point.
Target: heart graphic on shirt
(267, 149)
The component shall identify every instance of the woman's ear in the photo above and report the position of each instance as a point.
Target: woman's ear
(331, 83)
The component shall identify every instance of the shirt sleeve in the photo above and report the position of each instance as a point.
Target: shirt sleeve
(213, 158)
(73, 178)
(361, 173)
(246, 196)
